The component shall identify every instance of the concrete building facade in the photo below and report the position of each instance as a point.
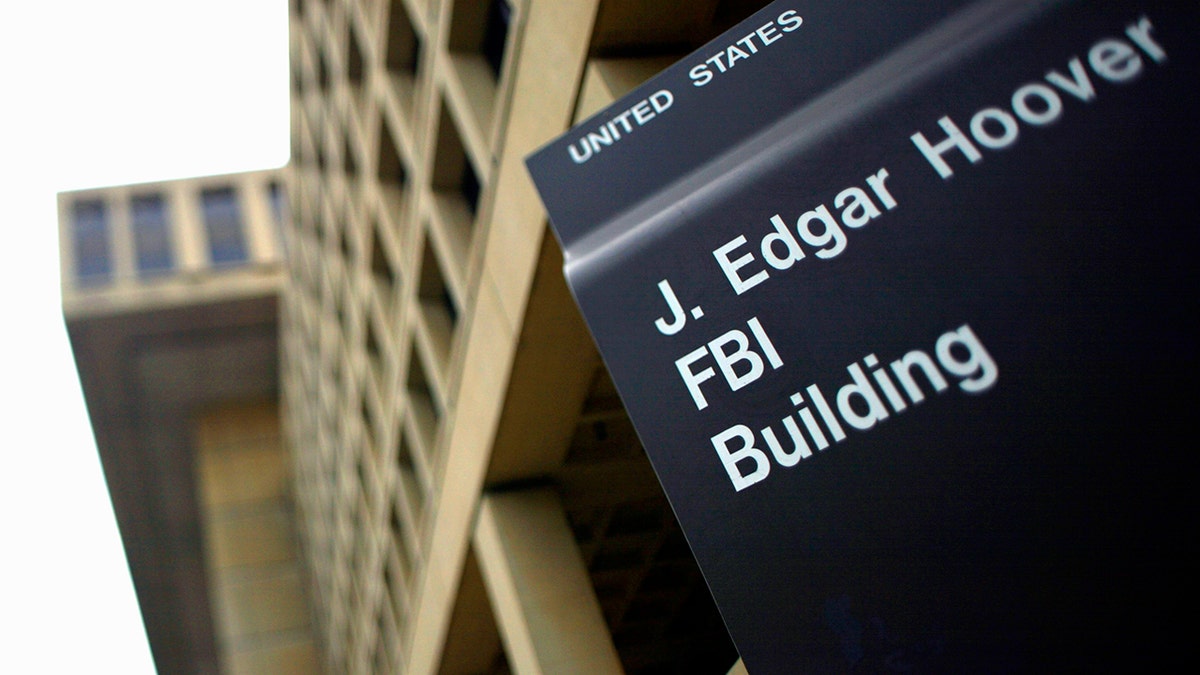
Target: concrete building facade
(473, 497)
(467, 492)
(170, 294)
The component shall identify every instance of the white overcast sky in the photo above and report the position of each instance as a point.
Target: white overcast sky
(99, 93)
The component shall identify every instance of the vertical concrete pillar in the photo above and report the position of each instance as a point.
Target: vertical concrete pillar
(545, 606)
(124, 258)
(262, 242)
(190, 240)
(66, 244)
(552, 50)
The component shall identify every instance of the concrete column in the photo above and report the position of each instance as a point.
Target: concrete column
(262, 242)
(544, 603)
(190, 240)
(553, 48)
(124, 259)
(66, 245)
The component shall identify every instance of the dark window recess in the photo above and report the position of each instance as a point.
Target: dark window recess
(404, 44)
(419, 387)
(340, 311)
(452, 169)
(368, 421)
(322, 73)
(391, 167)
(279, 213)
(152, 234)
(495, 34)
(344, 243)
(381, 267)
(297, 84)
(278, 202)
(450, 307)
(93, 261)
(354, 65)
(433, 285)
(469, 187)
(375, 355)
(223, 222)
(348, 158)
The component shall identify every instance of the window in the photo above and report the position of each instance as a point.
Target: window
(452, 169)
(151, 234)
(495, 34)
(278, 202)
(93, 261)
(223, 222)
(279, 212)
(403, 43)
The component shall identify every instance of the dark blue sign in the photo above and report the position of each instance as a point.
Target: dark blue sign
(902, 299)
